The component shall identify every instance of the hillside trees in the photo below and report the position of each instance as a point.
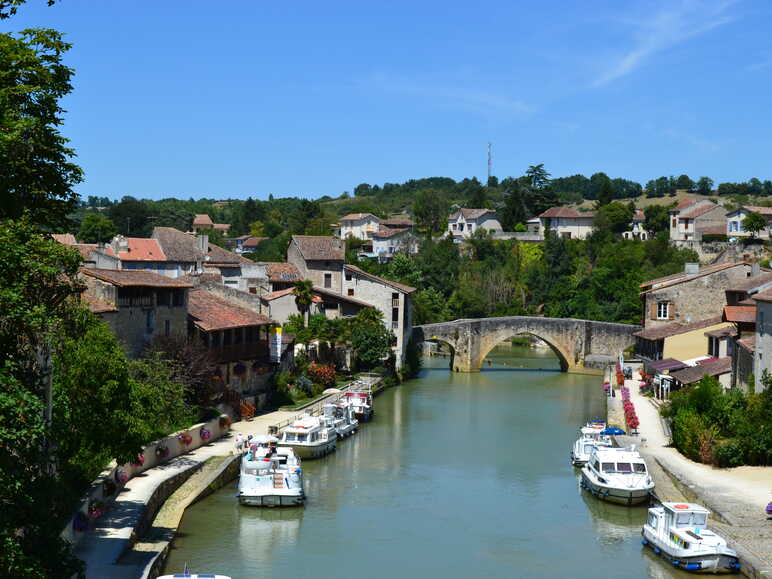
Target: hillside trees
(96, 228)
(431, 211)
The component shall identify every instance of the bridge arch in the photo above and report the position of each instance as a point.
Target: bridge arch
(491, 341)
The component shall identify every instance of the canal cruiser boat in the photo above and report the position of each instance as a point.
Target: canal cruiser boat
(679, 533)
(340, 415)
(361, 398)
(590, 438)
(617, 475)
(309, 436)
(270, 476)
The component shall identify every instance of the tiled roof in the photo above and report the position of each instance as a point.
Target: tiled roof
(728, 331)
(666, 364)
(740, 314)
(320, 247)
(397, 286)
(397, 222)
(470, 213)
(749, 343)
(714, 367)
(357, 216)
(763, 296)
(133, 278)
(65, 238)
(96, 306)
(384, 233)
(335, 295)
(675, 329)
(220, 256)
(85, 249)
(211, 312)
(757, 281)
(767, 211)
(713, 230)
(639, 215)
(139, 249)
(565, 213)
(684, 203)
(278, 271)
(277, 294)
(221, 226)
(252, 241)
(178, 246)
(681, 277)
(697, 211)
(202, 220)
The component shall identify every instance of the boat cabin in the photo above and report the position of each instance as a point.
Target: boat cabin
(683, 522)
(305, 430)
(617, 461)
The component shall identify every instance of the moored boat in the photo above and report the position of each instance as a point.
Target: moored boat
(361, 400)
(340, 415)
(270, 476)
(617, 475)
(590, 438)
(309, 437)
(679, 533)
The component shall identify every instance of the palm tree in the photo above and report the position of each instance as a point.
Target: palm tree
(304, 296)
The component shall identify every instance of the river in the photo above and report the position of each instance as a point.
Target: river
(458, 475)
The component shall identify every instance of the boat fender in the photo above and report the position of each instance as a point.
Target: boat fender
(692, 566)
(644, 542)
(656, 550)
(674, 562)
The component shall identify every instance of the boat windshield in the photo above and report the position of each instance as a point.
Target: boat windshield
(302, 437)
(683, 520)
(608, 467)
(624, 467)
(639, 467)
(289, 436)
(588, 448)
(699, 519)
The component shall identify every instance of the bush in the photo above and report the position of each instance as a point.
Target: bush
(322, 375)
(728, 453)
(304, 385)
(710, 237)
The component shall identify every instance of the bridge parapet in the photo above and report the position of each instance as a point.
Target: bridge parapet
(575, 342)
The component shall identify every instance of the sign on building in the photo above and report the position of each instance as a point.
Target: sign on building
(274, 344)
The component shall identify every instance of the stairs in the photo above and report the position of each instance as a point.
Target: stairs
(246, 410)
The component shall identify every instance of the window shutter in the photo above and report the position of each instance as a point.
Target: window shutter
(653, 310)
(671, 310)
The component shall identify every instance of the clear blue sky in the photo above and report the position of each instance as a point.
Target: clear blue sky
(234, 98)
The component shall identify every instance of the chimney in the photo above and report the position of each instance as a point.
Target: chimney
(203, 243)
(755, 269)
(691, 268)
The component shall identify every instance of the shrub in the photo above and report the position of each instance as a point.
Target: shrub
(710, 237)
(728, 453)
(304, 385)
(322, 375)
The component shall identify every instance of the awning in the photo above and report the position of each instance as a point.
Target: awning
(666, 365)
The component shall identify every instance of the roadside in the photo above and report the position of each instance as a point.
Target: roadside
(736, 496)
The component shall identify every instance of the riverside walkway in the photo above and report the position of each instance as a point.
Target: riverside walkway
(736, 495)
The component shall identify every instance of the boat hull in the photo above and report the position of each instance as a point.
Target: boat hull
(628, 497)
(708, 564)
(272, 500)
(310, 451)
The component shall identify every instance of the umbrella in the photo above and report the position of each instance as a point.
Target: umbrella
(331, 391)
(612, 430)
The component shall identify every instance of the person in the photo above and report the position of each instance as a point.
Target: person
(239, 442)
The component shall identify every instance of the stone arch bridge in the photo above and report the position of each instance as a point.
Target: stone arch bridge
(578, 344)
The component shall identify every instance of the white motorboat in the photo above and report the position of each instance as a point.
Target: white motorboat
(361, 399)
(270, 476)
(590, 438)
(309, 436)
(340, 415)
(679, 533)
(617, 475)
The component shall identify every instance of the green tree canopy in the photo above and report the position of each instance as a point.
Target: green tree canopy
(96, 228)
(431, 211)
(657, 218)
(754, 222)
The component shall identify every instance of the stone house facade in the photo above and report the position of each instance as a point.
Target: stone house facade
(693, 217)
(137, 305)
(690, 295)
(318, 258)
(391, 298)
(676, 340)
(566, 222)
(464, 222)
(762, 356)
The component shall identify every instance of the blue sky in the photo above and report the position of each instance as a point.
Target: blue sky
(228, 99)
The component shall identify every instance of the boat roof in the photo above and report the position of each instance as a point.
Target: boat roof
(303, 423)
(263, 439)
(685, 508)
(616, 454)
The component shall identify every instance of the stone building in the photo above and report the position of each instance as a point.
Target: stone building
(464, 222)
(693, 217)
(280, 275)
(359, 225)
(318, 258)
(388, 242)
(762, 339)
(566, 222)
(637, 227)
(692, 295)
(391, 298)
(137, 305)
(202, 222)
(677, 340)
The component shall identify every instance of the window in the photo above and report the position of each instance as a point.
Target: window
(608, 467)
(167, 328)
(673, 224)
(596, 465)
(150, 321)
(624, 467)
(350, 292)
(328, 280)
(713, 347)
(663, 310)
(761, 323)
(699, 519)
(253, 290)
(348, 276)
(179, 298)
(652, 520)
(639, 467)
(733, 226)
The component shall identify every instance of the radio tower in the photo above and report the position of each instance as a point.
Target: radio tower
(490, 164)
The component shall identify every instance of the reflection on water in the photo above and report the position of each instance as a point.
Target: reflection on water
(464, 474)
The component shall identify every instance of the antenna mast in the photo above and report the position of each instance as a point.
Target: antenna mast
(490, 163)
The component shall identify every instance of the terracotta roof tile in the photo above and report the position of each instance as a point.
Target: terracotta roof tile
(566, 213)
(252, 241)
(759, 281)
(139, 249)
(384, 233)
(697, 211)
(178, 246)
(221, 227)
(202, 220)
(134, 278)
(393, 284)
(320, 247)
(278, 271)
(767, 211)
(470, 213)
(749, 343)
(277, 294)
(676, 278)
(675, 329)
(219, 256)
(211, 312)
(714, 367)
(65, 238)
(357, 216)
(85, 249)
(740, 314)
(684, 203)
(398, 222)
(329, 293)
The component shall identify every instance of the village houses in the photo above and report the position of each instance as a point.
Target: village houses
(464, 222)
(734, 221)
(566, 222)
(693, 218)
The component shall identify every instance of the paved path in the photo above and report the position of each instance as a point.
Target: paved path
(738, 495)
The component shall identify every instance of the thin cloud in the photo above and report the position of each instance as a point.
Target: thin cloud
(699, 143)
(673, 23)
(457, 95)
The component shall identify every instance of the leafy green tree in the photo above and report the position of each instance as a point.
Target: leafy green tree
(131, 217)
(430, 306)
(657, 218)
(754, 222)
(439, 261)
(704, 186)
(96, 228)
(304, 295)
(605, 189)
(515, 210)
(538, 177)
(370, 339)
(431, 211)
(404, 269)
(37, 172)
(684, 182)
(615, 217)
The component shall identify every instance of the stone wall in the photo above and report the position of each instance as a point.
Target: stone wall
(572, 340)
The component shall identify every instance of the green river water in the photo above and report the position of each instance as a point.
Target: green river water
(457, 476)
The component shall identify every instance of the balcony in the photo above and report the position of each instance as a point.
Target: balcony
(136, 302)
(395, 302)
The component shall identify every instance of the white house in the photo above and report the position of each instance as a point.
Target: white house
(691, 217)
(734, 221)
(567, 222)
(464, 222)
(359, 225)
(637, 227)
(387, 242)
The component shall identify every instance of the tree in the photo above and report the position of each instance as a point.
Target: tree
(615, 217)
(684, 182)
(370, 339)
(430, 306)
(754, 222)
(538, 177)
(191, 364)
(657, 218)
(304, 295)
(37, 172)
(130, 216)
(256, 228)
(96, 228)
(605, 189)
(431, 211)
(515, 210)
(704, 186)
